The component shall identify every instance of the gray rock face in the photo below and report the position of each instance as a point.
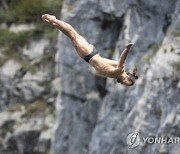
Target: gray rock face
(22, 132)
(29, 85)
(35, 49)
(88, 123)
(9, 69)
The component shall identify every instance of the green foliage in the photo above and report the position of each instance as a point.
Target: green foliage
(6, 127)
(45, 84)
(26, 11)
(50, 32)
(147, 57)
(15, 107)
(32, 69)
(8, 53)
(38, 108)
(44, 127)
(46, 58)
(48, 151)
(7, 37)
(2, 60)
(29, 10)
(175, 32)
(176, 65)
(7, 16)
(111, 52)
(158, 112)
(69, 8)
(12, 39)
(11, 42)
(154, 47)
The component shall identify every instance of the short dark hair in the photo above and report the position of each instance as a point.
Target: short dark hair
(119, 80)
(132, 80)
(135, 72)
(132, 76)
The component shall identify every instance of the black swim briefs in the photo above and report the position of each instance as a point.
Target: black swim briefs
(93, 53)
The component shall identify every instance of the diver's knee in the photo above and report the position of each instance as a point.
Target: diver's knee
(74, 36)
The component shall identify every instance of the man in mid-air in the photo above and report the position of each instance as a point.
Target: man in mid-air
(106, 67)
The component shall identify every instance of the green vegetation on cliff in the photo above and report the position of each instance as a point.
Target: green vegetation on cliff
(26, 11)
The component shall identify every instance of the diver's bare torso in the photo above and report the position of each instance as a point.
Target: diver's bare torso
(105, 66)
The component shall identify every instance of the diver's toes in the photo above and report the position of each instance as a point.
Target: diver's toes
(44, 16)
(48, 18)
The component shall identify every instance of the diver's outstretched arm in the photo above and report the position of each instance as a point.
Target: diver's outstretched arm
(124, 55)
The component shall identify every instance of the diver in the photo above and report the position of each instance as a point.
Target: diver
(106, 67)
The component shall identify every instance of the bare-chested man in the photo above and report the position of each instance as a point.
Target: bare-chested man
(106, 67)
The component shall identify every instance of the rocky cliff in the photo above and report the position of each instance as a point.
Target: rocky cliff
(29, 85)
(95, 114)
(29, 77)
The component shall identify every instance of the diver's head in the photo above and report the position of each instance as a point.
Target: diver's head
(127, 79)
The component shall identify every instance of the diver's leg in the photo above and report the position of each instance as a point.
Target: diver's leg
(82, 47)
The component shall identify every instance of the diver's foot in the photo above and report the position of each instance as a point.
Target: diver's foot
(128, 45)
(48, 18)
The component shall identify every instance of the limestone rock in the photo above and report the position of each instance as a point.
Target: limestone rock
(94, 115)
(30, 90)
(35, 49)
(10, 68)
(22, 27)
(150, 107)
(21, 133)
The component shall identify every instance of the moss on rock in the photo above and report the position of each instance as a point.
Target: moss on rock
(38, 108)
(6, 127)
